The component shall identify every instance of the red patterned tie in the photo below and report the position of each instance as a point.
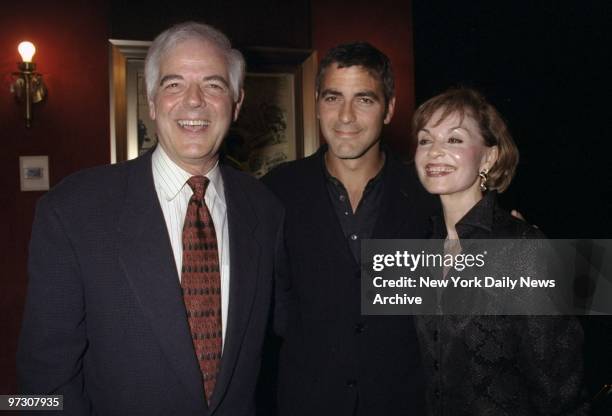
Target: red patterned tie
(201, 283)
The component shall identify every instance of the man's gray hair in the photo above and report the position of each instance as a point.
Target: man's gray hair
(186, 31)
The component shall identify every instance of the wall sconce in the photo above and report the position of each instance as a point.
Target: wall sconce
(28, 86)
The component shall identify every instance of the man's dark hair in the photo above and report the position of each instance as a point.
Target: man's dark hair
(360, 54)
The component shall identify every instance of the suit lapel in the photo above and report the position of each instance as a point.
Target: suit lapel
(146, 254)
(244, 276)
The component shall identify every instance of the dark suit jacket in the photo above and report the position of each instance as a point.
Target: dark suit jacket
(334, 361)
(105, 324)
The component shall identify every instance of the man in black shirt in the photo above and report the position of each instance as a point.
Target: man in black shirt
(333, 360)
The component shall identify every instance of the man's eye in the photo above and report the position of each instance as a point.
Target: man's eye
(454, 140)
(172, 85)
(366, 100)
(330, 98)
(215, 86)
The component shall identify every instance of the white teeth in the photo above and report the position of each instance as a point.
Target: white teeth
(184, 123)
(438, 169)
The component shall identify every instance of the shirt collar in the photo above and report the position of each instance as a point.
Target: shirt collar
(481, 215)
(171, 179)
(371, 183)
(478, 219)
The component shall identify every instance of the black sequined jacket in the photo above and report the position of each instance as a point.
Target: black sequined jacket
(500, 365)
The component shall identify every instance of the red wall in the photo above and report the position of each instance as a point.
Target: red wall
(71, 127)
(387, 24)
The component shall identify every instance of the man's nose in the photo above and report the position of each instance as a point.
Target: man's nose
(347, 113)
(194, 96)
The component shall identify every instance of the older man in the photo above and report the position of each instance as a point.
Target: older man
(334, 361)
(150, 280)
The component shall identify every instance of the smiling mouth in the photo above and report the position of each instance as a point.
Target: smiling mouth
(439, 170)
(193, 125)
(346, 133)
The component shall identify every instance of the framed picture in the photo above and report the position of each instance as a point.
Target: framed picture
(129, 117)
(34, 173)
(277, 121)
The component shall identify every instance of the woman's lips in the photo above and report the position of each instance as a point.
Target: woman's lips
(437, 170)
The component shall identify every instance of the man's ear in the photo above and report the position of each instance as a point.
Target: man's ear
(390, 111)
(238, 104)
(152, 109)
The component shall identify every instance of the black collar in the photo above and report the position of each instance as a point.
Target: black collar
(372, 182)
(478, 220)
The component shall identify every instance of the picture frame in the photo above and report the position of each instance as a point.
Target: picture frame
(277, 121)
(126, 59)
(34, 173)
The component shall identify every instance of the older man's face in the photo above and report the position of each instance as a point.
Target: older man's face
(193, 106)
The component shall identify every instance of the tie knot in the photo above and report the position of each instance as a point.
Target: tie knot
(198, 185)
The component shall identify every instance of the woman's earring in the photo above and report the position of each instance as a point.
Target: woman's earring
(483, 179)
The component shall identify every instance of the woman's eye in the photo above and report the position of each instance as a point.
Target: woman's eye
(454, 140)
(423, 141)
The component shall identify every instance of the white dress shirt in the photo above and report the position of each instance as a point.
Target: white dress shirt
(174, 194)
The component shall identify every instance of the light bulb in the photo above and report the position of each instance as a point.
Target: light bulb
(26, 50)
